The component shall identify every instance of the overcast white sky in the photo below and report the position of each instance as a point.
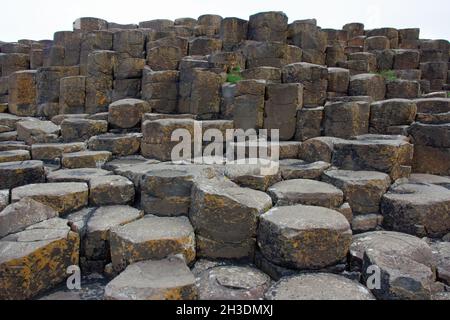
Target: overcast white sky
(39, 19)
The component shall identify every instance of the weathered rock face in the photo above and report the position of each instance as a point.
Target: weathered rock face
(368, 85)
(152, 238)
(222, 233)
(80, 130)
(419, 209)
(36, 259)
(441, 252)
(168, 279)
(304, 237)
(346, 119)
(232, 283)
(319, 286)
(306, 192)
(16, 174)
(388, 113)
(127, 113)
(405, 264)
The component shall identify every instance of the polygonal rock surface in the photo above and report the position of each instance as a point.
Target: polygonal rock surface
(52, 151)
(110, 190)
(405, 264)
(306, 192)
(168, 279)
(299, 169)
(36, 259)
(152, 238)
(117, 144)
(225, 218)
(63, 197)
(441, 251)
(419, 209)
(14, 156)
(96, 245)
(76, 175)
(254, 176)
(127, 113)
(304, 237)
(20, 215)
(85, 159)
(362, 189)
(320, 286)
(15, 174)
(73, 130)
(232, 283)
(36, 131)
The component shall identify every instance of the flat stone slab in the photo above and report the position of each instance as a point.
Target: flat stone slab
(304, 237)
(76, 175)
(306, 192)
(4, 199)
(20, 215)
(99, 224)
(419, 209)
(14, 156)
(13, 145)
(298, 169)
(117, 144)
(52, 151)
(253, 176)
(152, 238)
(232, 283)
(110, 190)
(63, 197)
(85, 159)
(168, 279)
(225, 218)
(320, 286)
(362, 189)
(441, 252)
(406, 260)
(16, 174)
(36, 131)
(36, 259)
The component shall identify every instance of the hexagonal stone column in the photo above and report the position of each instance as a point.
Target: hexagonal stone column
(306, 192)
(16, 174)
(36, 259)
(63, 197)
(304, 237)
(168, 279)
(320, 286)
(152, 238)
(110, 190)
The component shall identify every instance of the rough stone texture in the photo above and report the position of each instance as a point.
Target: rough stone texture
(419, 209)
(85, 159)
(16, 174)
(232, 283)
(52, 151)
(304, 237)
(253, 176)
(78, 130)
(362, 189)
(152, 238)
(441, 252)
(14, 156)
(346, 119)
(63, 197)
(394, 112)
(368, 85)
(319, 286)
(117, 144)
(18, 216)
(22, 93)
(168, 279)
(405, 263)
(127, 113)
(268, 26)
(306, 192)
(222, 233)
(110, 190)
(36, 259)
(299, 169)
(36, 131)
(76, 175)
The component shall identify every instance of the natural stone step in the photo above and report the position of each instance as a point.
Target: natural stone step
(85, 159)
(20, 215)
(117, 144)
(14, 156)
(15, 174)
(110, 190)
(405, 259)
(168, 279)
(232, 282)
(42, 253)
(225, 218)
(317, 237)
(63, 197)
(52, 151)
(307, 192)
(76, 175)
(298, 169)
(320, 286)
(152, 238)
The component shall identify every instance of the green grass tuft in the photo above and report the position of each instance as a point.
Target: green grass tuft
(388, 75)
(234, 76)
